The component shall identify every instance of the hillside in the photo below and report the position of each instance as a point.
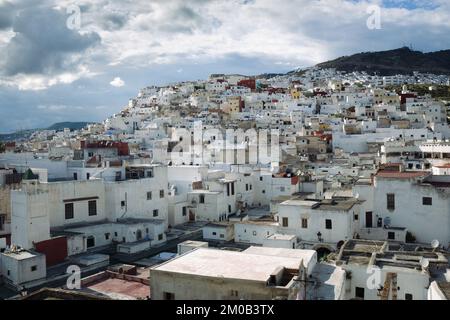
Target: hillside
(398, 61)
(25, 134)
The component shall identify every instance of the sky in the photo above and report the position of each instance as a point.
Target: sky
(82, 60)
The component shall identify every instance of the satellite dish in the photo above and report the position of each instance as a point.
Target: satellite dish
(424, 263)
(435, 244)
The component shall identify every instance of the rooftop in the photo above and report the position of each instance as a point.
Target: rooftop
(251, 265)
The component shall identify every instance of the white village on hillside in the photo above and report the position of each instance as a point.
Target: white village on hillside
(313, 185)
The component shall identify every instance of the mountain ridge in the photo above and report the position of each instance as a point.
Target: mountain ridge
(391, 62)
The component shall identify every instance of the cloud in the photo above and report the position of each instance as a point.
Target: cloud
(117, 82)
(43, 51)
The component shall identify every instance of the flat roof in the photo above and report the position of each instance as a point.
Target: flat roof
(302, 203)
(248, 265)
(21, 255)
(278, 236)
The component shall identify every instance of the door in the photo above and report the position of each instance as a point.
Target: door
(369, 219)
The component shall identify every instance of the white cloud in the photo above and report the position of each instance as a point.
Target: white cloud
(117, 82)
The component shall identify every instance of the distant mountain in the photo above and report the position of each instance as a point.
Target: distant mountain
(25, 134)
(398, 61)
(71, 125)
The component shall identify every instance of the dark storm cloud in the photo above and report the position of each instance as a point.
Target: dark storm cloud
(6, 14)
(43, 44)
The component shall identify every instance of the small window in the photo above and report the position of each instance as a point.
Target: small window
(391, 235)
(33, 268)
(107, 236)
(122, 203)
(282, 189)
(155, 212)
(68, 211)
(356, 217)
(285, 222)
(161, 193)
(149, 195)
(184, 211)
(234, 293)
(260, 178)
(150, 174)
(304, 223)
(115, 234)
(222, 235)
(169, 296)
(254, 233)
(427, 201)
(328, 224)
(160, 236)
(202, 198)
(90, 242)
(229, 208)
(214, 233)
(408, 296)
(390, 198)
(359, 292)
(264, 191)
(92, 207)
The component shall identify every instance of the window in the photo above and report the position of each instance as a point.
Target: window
(68, 210)
(122, 203)
(427, 201)
(149, 174)
(214, 233)
(115, 234)
(229, 208)
(408, 296)
(149, 195)
(92, 207)
(184, 211)
(260, 178)
(285, 222)
(155, 212)
(304, 223)
(75, 176)
(107, 236)
(254, 233)
(328, 224)
(228, 189)
(88, 176)
(160, 236)
(222, 235)
(246, 187)
(90, 242)
(2, 221)
(234, 293)
(202, 198)
(359, 293)
(169, 296)
(355, 217)
(264, 191)
(232, 189)
(282, 189)
(161, 193)
(391, 235)
(390, 197)
(33, 268)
